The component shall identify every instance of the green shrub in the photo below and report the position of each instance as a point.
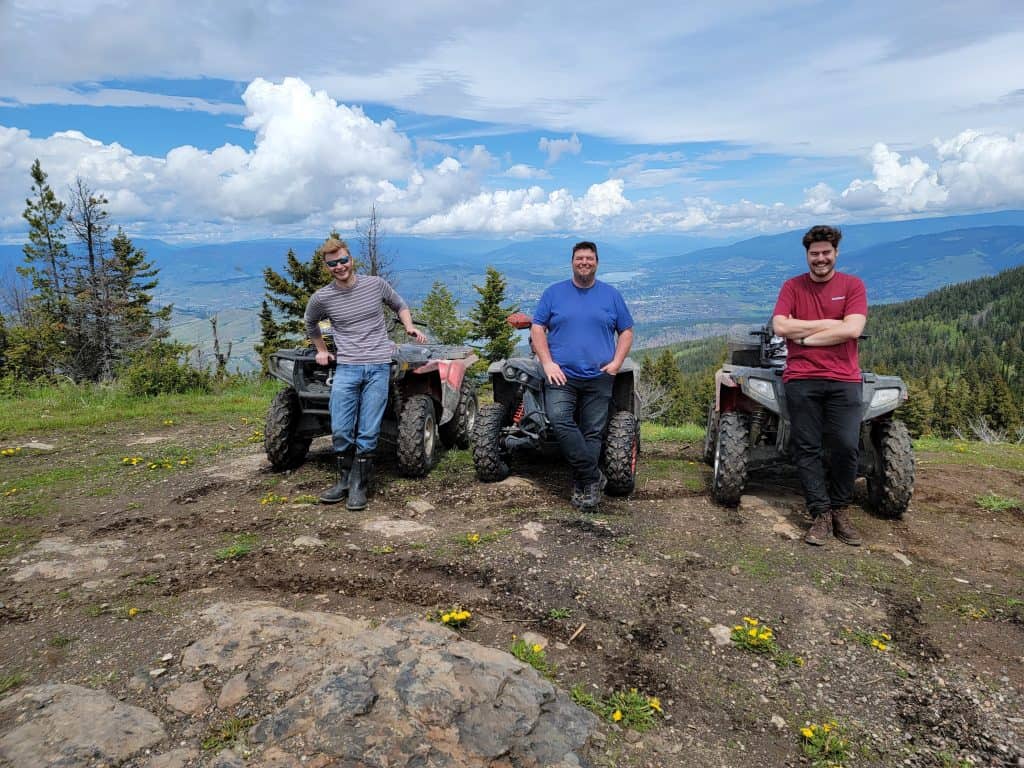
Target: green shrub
(164, 369)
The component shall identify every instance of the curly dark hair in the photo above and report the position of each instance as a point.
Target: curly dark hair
(820, 233)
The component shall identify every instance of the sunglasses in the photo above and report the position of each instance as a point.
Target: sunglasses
(337, 261)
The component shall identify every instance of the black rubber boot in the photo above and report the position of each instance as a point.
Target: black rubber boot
(339, 490)
(359, 485)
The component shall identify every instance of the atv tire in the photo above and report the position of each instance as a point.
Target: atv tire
(417, 437)
(710, 433)
(488, 461)
(457, 432)
(732, 447)
(621, 449)
(284, 447)
(891, 484)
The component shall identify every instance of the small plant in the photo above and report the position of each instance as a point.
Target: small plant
(239, 547)
(559, 613)
(534, 655)
(880, 641)
(160, 464)
(456, 617)
(227, 733)
(61, 641)
(973, 612)
(148, 580)
(168, 422)
(10, 491)
(824, 744)
(993, 502)
(630, 709)
(273, 498)
(382, 549)
(256, 436)
(132, 461)
(754, 636)
(11, 681)
(475, 539)
(472, 539)
(305, 498)
(7, 452)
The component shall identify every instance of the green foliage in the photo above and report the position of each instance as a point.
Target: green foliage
(227, 733)
(628, 709)
(240, 546)
(440, 314)
(11, 681)
(163, 368)
(993, 502)
(534, 655)
(488, 318)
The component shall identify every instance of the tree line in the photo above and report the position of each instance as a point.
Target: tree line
(960, 349)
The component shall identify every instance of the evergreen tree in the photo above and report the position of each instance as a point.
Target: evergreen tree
(488, 318)
(46, 252)
(282, 311)
(440, 315)
(131, 280)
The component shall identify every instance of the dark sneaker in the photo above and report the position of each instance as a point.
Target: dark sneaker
(590, 499)
(843, 527)
(820, 530)
(577, 496)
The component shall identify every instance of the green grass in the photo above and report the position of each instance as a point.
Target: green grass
(993, 502)
(227, 733)
(71, 407)
(1001, 455)
(14, 538)
(8, 682)
(240, 546)
(533, 655)
(657, 433)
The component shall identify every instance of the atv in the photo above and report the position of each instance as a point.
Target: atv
(516, 423)
(748, 426)
(431, 401)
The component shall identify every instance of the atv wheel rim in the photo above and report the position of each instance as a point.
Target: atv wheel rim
(429, 434)
(470, 416)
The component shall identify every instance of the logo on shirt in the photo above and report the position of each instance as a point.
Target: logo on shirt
(838, 298)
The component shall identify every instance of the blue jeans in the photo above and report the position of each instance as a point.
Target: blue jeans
(580, 443)
(359, 396)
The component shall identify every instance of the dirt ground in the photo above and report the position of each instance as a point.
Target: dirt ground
(630, 598)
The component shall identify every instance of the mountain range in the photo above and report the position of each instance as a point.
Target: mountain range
(677, 287)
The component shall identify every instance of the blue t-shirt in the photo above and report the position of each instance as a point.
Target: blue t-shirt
(582, 323)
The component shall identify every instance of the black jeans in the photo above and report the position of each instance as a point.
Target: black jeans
(825, 414)
(580, 443)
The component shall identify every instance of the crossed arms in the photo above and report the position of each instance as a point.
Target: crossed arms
(819, 333)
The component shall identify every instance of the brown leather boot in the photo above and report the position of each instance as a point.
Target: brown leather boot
(843, 527)
(820, 530)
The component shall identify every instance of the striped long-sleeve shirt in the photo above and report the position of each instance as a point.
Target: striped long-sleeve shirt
(357, 318)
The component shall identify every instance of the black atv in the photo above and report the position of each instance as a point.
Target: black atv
(431, 401)
(516, 422)
(748, 426)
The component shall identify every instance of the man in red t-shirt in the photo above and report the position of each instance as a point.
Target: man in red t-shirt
(822, 314)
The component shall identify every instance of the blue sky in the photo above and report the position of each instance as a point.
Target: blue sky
(492, 119)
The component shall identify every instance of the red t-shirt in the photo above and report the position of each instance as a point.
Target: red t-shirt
(803, 299)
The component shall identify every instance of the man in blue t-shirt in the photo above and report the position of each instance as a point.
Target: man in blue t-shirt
(573, 334)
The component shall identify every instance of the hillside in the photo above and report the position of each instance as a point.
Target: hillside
(206, 613)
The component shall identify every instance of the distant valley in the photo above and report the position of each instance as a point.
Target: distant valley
(678, 287)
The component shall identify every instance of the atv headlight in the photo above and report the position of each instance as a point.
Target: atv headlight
(884, 397)
(761, 388)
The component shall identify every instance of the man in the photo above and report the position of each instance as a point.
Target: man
(354, 305)
(573, 335)
(822, 314)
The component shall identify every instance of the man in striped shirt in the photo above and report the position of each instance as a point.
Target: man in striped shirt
(354, 305)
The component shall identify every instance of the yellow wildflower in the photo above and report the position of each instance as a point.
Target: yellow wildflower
(752, 632)
(807, 733)
(826, 727)
(750, 621)
(655, 703)
(446, 618)
(473, 538)
(885, 636)
(133, 612)
(537, 648)
(616, 715)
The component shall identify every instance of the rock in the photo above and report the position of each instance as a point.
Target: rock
(147, 440)
(176, 758)
(419, 507)
(779, 723)
(533, 638)
(69, 725)
(189, 698)
(390, 527)
(234, 690)
(37, 446)
(902, 558)
(786, 530)
(735, 570)
(721, 633)
(308, 541)
(516, 483)
(62, 558)
(391, 695)
(532, 530)
(632, 737)
(155, 673)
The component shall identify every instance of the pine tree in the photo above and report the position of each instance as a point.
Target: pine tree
(488, 318)
(440, 315)
(130, 279)
(46, 252)
(288, 294)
